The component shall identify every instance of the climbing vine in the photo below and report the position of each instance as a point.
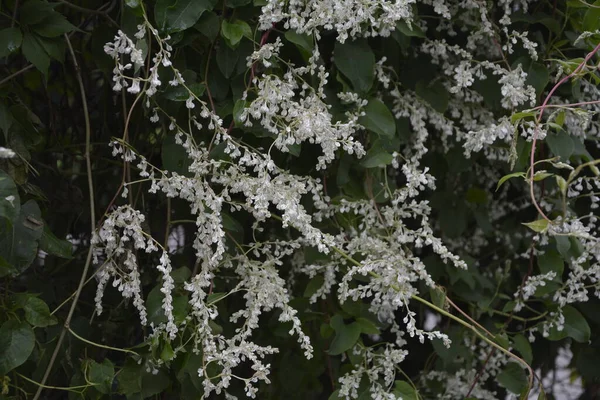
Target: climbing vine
(329, 199)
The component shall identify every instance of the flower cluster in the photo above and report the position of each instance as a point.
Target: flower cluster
(376, 254)
(347, 18)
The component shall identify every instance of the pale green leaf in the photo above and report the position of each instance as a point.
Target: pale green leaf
(234, 31)
(539, 225)
(509, 176)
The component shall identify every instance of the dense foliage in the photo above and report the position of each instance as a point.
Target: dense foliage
(376, 199)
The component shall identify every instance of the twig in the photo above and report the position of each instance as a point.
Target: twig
(19, 72)
(480, 372)
(88, 134)
(90, 11)
(14, 17)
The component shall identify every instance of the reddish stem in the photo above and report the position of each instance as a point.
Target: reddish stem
(539, 119)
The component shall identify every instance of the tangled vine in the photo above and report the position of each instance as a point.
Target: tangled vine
(331, 199)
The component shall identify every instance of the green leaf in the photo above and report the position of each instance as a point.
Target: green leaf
(575, 326)
(102, 375)
(513, 378)
(438, 297)
(19, 244)
(230, 223)
(130, 378)
(433, 93)
(216, 297)
(55, 48)
(237, 3)
(538, 77)
(36, 311)
(238, 108)
(522, 345)
(378, 118)
(562, 184)
(153, 384)
(302, 40)
(509, 176)
(34, 53)
(539, 225)
(541, 175)
(227, 60)
(179, 15)
(376, 157)
(180, 93)
(336, 322)
(345, 338)
(6, 119)
(356, 61)
(405, 391)
(326, 331)
(9, 197)
(16, 344)
(412, 31)
(53, 25)
(35, 11)
(368, 327)
(539, 17)
(591, 19)
(55, 246)
(174, 156)
(154, 306)
(180, 275)
(234, 31)
(561, 144)
(209, 25)
(313, 285)
(521, 115)
(502, 340)
(563, 244)
(167, 353)
(551, 261)
(10, 41)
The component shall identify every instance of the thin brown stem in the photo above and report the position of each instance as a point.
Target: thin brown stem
(19, 72)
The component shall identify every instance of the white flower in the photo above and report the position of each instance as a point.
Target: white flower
(6, 153)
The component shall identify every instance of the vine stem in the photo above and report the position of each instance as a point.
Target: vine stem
(455, 318)
(101, 345)
(65, 388)
(482, 337)
(537, 126)
(88, 261)
(19, 72)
